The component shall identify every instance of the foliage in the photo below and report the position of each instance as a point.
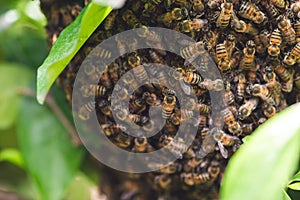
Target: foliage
(259, 169)
(67, 45)
(56, 155)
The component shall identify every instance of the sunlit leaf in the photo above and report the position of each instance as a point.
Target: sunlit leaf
(49, 156)
(66, 46)
(12, 76)
(13, 156)
(294, 186)
(263, 166)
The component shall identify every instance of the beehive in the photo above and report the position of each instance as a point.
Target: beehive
(255, 47)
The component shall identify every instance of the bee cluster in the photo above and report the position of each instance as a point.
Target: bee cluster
(256, 48)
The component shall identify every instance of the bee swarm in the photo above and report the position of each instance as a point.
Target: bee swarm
(254, 44)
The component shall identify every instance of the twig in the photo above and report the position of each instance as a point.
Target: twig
(57, 111)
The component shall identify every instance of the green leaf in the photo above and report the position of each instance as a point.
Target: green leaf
(285, 195)
(12, 77)
(81, 188)
(296, 178)
(49, 156)
(262, 166)
(13, 156)
(294, 186)
(66, 46)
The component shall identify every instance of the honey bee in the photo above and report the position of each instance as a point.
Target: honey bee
(168, 104)
(192, 25)
(85, 110)
(251, 11)
(297, 81)
(288, 32)
(141, 74)
(278, 3)
(121, 114)
(211, 37)
(260, 47)
(269, 75)
(263, 92)
(192, 50)
(225, 15)
(110, 20)
(138, 118)
(186, 114)
(192, 163)
(163, 181)
(203, 108)
(177, 147)
(223, 58)
(129, 17)
(106, 80)
(208, 84)
(93, 90)
(213, 4)
(137, 106)
(275, 42)
(201, 178)
(197, 6)
(240, 89)
(230, 44)
(241, 26)
(248, 62)
(248, 128)
(122, 140)
(141, 145)
(292, 57)
(229, 98)
(176, 14)
(268, 110)
(112, 129)
(187, 178)
(121, 92)
(151, 98)
(271, 10)
(235, 59)
(155, 57)
(224, 139)
(246, 109)
(282, 72)
(264, 36)
(180, 3)
(214, 169)
(134, 60)
(192, 78)
(232, 125)
(251, 77)
(287, 86)
(297, 31)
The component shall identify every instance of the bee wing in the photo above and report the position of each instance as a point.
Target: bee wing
(223, 151)
(186, 88)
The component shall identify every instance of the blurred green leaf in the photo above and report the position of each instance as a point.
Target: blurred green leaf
(294, 186)
(24, 42)
(285, 195)
(261, 167)
(296, 177)
(80, 188)
(66, 46)
(46, 146)
(12, 77)
(13, 156)
(7, 5)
